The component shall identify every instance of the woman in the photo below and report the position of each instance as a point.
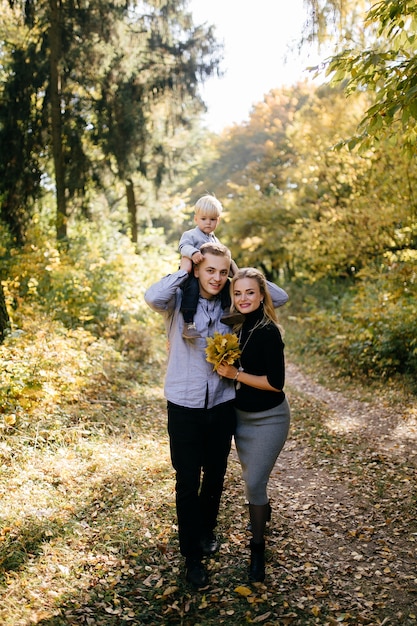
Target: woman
(263, 413)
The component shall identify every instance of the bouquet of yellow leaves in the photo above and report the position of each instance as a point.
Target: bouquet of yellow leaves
(222, 348)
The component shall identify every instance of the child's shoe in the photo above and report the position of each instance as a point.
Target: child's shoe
(190, 332)
(232, 318)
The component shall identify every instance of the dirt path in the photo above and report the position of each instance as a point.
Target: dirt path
(390, 429)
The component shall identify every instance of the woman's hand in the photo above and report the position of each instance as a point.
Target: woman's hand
(227, 371)
(251, 380)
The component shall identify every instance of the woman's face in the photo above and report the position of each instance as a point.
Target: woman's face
(247, 295)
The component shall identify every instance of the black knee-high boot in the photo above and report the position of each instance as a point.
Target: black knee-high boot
(257, 562)
(259, 515)
(268, 519)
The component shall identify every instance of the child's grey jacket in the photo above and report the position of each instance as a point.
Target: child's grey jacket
(192, 240)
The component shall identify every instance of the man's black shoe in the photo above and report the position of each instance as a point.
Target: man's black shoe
(209, 544)
(196, 573)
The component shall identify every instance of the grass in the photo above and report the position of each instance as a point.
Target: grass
(88, 526)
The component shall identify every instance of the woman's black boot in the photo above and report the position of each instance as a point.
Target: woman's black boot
(257, 562)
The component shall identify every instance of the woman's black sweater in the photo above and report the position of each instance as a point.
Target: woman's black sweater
(262, 354)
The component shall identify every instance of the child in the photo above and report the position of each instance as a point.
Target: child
(207, 213)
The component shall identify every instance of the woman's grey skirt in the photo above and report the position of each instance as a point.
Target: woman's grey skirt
(259, 439)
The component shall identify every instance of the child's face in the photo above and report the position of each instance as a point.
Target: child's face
(205, 223)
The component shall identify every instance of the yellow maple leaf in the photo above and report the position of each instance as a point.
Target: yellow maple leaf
(222, 348)
(243, 591)
(10, 419)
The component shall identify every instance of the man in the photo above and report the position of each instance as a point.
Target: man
(201, 415)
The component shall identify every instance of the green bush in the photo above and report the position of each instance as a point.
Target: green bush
(77, 314)
(370, 328)
(96, 282)
(385, 337)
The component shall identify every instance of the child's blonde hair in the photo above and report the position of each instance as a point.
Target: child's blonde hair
(209, 205)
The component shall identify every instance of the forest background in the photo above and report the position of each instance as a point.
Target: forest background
(103, 155)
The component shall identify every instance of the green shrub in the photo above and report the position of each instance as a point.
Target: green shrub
(366, 329)
(97, 282)
(78, 315)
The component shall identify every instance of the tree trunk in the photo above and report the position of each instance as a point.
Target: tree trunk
(56, 119)
(131, 209)
(4, 316)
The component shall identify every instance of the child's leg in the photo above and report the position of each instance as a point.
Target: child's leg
(225, 296)
(233, 268)
(189, 298)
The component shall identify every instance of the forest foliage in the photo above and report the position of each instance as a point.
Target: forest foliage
(102, 155)
(316, 193)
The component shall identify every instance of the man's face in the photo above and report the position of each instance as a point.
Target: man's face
(212, 274)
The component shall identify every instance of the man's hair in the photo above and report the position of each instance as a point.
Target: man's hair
(209, 205)
(218, 249)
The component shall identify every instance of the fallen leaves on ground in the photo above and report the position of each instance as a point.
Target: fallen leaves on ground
(88, 529)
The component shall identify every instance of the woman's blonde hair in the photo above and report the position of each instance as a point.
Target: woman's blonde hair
(268, 306)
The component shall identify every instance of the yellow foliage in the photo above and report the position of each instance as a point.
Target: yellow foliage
(243, 591)
(222, 348)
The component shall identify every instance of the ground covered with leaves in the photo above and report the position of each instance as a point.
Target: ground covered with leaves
(88, 528)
